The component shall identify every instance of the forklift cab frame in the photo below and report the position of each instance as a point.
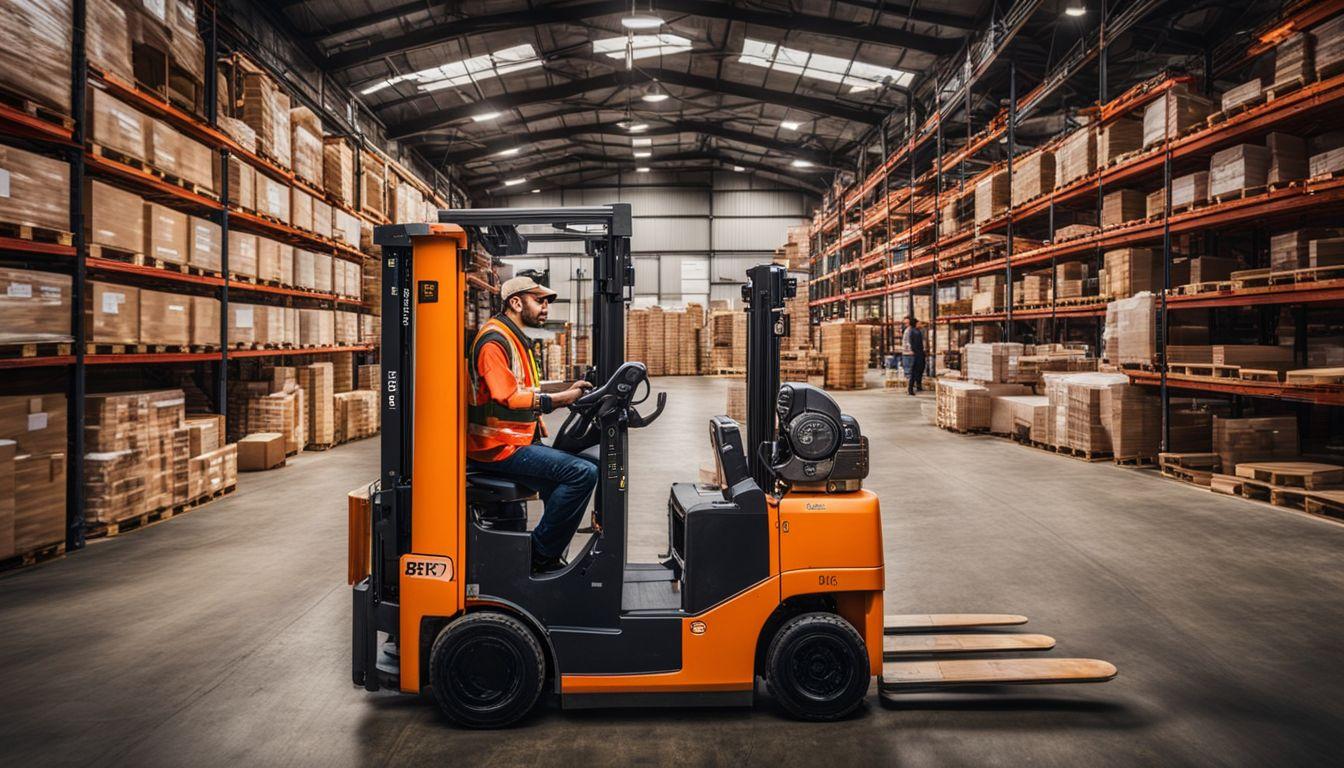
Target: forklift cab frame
(749, 561)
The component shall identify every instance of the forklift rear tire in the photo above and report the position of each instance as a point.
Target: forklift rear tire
(487, 670)
(817, 667)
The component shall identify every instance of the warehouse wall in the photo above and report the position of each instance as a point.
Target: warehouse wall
(694, 236)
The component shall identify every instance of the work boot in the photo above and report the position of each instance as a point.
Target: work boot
(543, 564)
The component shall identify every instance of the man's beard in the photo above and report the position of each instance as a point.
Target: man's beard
(533, 321)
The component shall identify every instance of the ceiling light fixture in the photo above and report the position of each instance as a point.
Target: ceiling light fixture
(802, 163)
(858, 75)
(536, 191)
(643, 153)
(641, 142)
(484, 116)
(513, 182)
(653, 94)
(635, 127)
(1076, 10)
(509, 151)
(738, 168)
(790, 125)
(641, 19)
(642, 169)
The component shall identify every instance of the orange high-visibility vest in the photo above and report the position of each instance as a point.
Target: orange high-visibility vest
(491, 424)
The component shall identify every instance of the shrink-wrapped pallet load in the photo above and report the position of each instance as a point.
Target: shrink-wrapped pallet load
(317, 328)
(112, 313)
(1086, 418)
(266, 111)
(242, 183)
(338, 169)
(167, 236)
(242, 327)
(316, 381)
(345, 228)
(369, 376)
(991, 363)
(300, 209)
(305, 274)
(203, 244)
(239, 131)
(321, 218)
(961, 405)
(114, 125)
(244, 253)
(322, 270)
(269, 255)
(1238, 168)
(306, 145)
(113, 217)
(35, 42)
(178, 155)
(107, 40)
(36, 423)
(1129, 336)
(846, 346)
(373, 183)
(273, 198)
(36, 190)
(34, 307)
(204, 321)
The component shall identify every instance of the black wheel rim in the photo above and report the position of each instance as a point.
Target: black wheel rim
(485, 673)
(821, 667)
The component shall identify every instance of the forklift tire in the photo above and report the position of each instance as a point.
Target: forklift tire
(487, 670)
(817, 667)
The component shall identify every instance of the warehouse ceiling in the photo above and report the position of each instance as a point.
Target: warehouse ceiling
(555, 93)
(533, 94)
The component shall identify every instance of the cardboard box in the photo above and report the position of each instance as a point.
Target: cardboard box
(306, 145)
(272, 198)
(243, 323)
(205, 433)
(1173, 114)
(305, 274)
(269, 253)
(115, 125)
(991, 196)
(113, 217)
(242, 183)
(204, 321)
(39, 501)
(244, 256)
(179, 155)
(112, 313)
(1122, 205)
(1237, 168)
(166, 234)
(1076, 156)
(8, 450)
(34, 307)
(36, 422)
(338, 169)
(322, 271)
(35, 43)
(261, 451)
(1118, 137)
(1033, 176)
(318, 388)
(204, 244)
(165, 318)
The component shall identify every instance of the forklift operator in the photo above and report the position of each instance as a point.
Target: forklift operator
(504, 427)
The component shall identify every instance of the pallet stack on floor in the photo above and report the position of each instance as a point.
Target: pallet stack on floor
(666, 340)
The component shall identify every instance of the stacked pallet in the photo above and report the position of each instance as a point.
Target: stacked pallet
(1070, 280)
(1328, 47)
(1033, 176)
(991, 363)
(1293, 61)
(1033, 288)
(846, 346)
(1129, 336)
(1122, 205)
(800, 327)
(38, 192)
(369, 376)
(1173, 114)
(1189, 189)
(1265, 438)
(1287, 157)
(35, 43)
(961, 406)
(1130, 271)
(1245, 93)
(1238, 168)
(1290, 251)
(1119, 137)
(34, 307)
(1076, 156)
(32, 473)
(991, 196)
(266, 111)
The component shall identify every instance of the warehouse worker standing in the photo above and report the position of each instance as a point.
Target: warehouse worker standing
(504, 427)
(912, 345)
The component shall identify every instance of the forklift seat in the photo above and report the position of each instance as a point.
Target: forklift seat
(486, 488)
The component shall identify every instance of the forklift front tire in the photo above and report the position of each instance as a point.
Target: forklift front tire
(817, 667)
(487, 670)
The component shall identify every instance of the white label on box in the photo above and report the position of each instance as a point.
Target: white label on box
(37, 421)
(273, 197)
(50, 291)
(203, 239)
(112, 303)
(176, 308)
(243, 319)
(4, 183)
(19, 291)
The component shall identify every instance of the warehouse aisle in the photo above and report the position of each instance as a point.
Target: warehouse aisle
(222, 636)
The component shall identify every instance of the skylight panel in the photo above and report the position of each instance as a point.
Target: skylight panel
(642, 46)
(859, 76)
(467, 71)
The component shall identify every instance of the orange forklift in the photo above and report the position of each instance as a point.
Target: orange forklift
(776, 573)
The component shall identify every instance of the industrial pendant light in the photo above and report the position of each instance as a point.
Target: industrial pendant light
(654, 93)
(641, 20)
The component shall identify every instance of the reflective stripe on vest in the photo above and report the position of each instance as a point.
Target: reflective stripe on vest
(494, 421)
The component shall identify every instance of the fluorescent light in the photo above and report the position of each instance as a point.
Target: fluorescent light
(1075, 10)
(641, 142)
(641, 21)
(536, 191)
(789, 125)
(642, 46)
(802, 163)
(858, 75)
(467, 71)
(643, 153)
(654, 94)
(509, 151)
(512, 182)
(642, 169)
(738, 168)
(636, 127)
(484, 116)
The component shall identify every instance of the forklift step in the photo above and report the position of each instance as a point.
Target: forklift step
(895, 646)
(925, 622)
(906, 676)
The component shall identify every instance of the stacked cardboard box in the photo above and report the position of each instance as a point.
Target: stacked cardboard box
(36, 192)
(356, 415)
(273, 198)
(1122, 205)
(213, 472)
(32, 473)
(736, 408)
(1245, 93)
(1292, 250)
(1173, 114)
(1287, 157)
(1070, 280)
(306, 145)
(113, 125)
(317, 328)
(1131, 270)
(1085, 418)
(1129, 336)
(338, 168)
(178, 155)
(284, 412)
(1118, 137)
(1189, 189)
(316, 380)
(1033, 176)
(1034, 288)
(34, 307)
(113, 217)
(1205, 269)
(203, 244)
(1260, 356)
(991, 196)
(370, 377)
(1293, 60)
(1237, 168)
(991, 363)
(373, 174)
(845, 345)
(1024, 416)
(266, 111)
(35, 43)
(1325, 252)
(165, 318)
(1328, 47)
(112, 313)
(300, 209)
(1076, 156)
(1266, 438)
(961, 405)
(1327, 162)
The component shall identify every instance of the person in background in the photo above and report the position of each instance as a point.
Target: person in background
(914, 338)
(907, 353)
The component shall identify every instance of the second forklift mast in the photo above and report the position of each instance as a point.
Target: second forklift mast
(768, 285)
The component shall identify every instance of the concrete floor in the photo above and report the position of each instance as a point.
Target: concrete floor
(222, 637)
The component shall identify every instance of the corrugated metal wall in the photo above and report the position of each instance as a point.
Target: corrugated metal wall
(690, 242)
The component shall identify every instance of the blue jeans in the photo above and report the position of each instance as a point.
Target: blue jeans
(564, 482)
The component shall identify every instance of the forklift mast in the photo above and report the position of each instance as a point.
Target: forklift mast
(768, 285)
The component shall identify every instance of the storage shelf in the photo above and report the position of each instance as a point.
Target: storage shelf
(41, 361)
(1316, 395)
(298, 351)
(258, 224)
(1296, 293)
(155, 273)
(161, 358)
(18, 244)
(149, 186)
(16, 122)
(1034, 313)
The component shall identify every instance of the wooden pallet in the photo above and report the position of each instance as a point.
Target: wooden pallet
(126, 525)
(1240, 194)
(29, 106)
(958, 431)
(1212, 286)
(34, 556)
(1308, 275)
(1315, 376)
(35, 234)
(1137, 365)
(1293, 474)
(1265, 375)
(1205, 461)
(1134, 461)
(1205, 370)
(1084, 455)
(1230, 112)
(1250, 278)
(1287, 86)
(1228, 484)
(1188, 475)
(100, 348)
(18, 350)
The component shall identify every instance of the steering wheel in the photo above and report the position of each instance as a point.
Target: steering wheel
(580, 429)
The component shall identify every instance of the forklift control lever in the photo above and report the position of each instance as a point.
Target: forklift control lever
(638, 419)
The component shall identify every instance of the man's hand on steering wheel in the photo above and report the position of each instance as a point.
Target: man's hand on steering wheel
(567, 397)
